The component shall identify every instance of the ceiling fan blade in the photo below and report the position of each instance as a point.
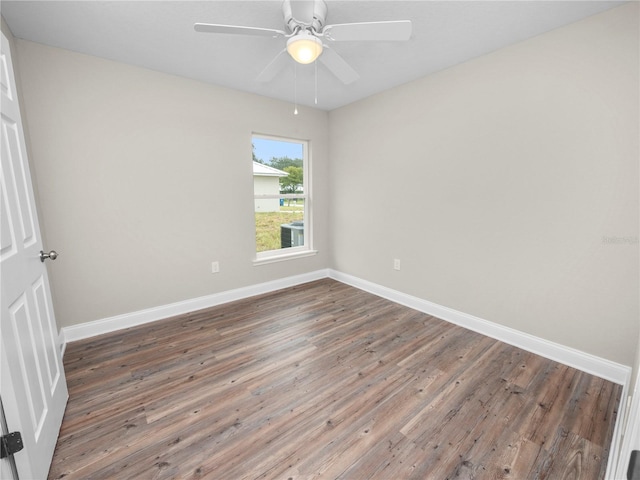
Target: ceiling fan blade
(237, 30)
(273, 67)
(336, 64)
(398, 30)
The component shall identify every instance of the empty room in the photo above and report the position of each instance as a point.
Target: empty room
(341, 239)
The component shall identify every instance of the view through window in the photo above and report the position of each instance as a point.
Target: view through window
(280, 196)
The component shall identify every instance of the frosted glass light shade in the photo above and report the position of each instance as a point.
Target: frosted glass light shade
(304, 48)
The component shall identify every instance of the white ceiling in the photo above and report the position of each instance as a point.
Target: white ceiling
(159, 35)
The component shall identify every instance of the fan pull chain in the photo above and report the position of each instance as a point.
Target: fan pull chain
(295, 89)
(316, 86)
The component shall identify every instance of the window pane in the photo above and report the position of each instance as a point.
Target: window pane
(281, 229)
(278, 169)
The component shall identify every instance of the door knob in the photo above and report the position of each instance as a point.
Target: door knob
(51, 255)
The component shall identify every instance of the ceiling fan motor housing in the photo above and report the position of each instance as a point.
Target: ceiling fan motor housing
(304, 14)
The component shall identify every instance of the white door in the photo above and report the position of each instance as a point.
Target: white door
(631, 435)
(33, 388)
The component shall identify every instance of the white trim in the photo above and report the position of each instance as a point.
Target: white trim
(617, 440)
(299, 253)
(615, 372)
(270, 196)
(586, 362)
(118, 322)
(631, 432)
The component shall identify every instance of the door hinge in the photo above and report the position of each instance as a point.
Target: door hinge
(633, 473)
(10, 444)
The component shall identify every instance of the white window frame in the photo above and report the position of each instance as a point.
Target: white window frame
(281, 254)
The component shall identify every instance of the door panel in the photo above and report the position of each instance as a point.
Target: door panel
(48, 338)
(19, 182)
(21, 335)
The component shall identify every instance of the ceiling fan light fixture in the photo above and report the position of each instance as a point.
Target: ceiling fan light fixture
(304, 48)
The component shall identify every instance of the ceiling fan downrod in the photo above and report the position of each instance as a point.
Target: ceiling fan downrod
(304, 15)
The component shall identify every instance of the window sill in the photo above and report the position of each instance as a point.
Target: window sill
(283, 257)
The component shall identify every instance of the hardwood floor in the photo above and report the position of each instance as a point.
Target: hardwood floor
(324, 381)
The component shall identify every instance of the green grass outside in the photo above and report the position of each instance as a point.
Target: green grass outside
(268, 226)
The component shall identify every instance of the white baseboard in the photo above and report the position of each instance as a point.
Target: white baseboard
(615, 372)
(118, 322)
(600, 367)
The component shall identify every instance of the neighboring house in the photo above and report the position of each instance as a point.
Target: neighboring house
(266, 181)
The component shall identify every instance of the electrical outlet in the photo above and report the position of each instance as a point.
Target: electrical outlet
(215, 267)
(396, 264)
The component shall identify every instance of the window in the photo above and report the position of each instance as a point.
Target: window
(281, 198)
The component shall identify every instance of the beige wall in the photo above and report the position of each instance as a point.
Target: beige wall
(146, 178)
(507, 186)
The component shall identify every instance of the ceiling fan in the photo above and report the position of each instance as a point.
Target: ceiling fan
(309, 38)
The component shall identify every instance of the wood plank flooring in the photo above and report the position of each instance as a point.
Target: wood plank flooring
(324, 381)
